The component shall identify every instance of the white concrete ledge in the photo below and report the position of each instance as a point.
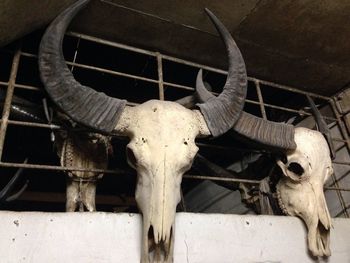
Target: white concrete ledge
(106, 237)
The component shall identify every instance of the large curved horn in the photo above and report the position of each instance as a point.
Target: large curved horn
(221, 113)
(268, 133)
(84, 105)
(322, 126)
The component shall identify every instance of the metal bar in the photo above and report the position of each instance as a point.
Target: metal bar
(261, 101)
(34, 124)
(224, 148)
(64, 168)
(336, 189)
(8, 99)
(112, 72)
(214, 178)
(160, 76)
(193, 64)
(29, 55)
(115, 171)
(178, 86)
(341, 162)
(28, 87)
(287, 88)
(344, 211)
(339, 140)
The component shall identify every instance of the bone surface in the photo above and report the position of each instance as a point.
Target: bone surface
(161, 149)
(300, 191)
(88, 151)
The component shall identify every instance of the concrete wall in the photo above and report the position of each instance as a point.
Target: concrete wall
(105, 237)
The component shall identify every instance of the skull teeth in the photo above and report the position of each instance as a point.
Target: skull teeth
(280, 202)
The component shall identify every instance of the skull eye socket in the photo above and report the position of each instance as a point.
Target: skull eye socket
(296, 168)
(131, 157)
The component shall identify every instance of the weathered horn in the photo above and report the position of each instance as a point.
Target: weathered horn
(84, 105)
(221, 113)
(268, 133)
(322, 126)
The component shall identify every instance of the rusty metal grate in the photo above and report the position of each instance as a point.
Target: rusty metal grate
(157, 78)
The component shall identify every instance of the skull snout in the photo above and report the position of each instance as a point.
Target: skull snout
(157, 195)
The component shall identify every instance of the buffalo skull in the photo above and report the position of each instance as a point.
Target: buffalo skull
(307, 167)
(162, 133)
(300, 190)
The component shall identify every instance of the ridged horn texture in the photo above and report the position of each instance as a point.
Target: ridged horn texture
(81, 103)
(268, 133)
(221, 113)
(322, 126)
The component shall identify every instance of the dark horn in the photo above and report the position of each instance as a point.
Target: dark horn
(188, 101)
(84, 105)
(322, 126)
(221, 113)
(274, 135)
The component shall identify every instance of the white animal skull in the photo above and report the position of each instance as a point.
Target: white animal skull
(300, 191)
(161, 149)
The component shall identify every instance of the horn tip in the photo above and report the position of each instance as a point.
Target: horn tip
(200, 73)
(209, 13)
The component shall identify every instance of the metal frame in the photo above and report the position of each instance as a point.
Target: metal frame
(12, 85)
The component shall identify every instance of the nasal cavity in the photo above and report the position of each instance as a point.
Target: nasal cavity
(151, 239)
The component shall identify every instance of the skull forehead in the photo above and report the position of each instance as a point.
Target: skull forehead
(312, 152)
(310, 144)
(164, 120)
(305, 138)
